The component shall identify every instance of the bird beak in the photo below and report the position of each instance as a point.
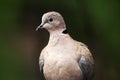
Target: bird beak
(40, 26)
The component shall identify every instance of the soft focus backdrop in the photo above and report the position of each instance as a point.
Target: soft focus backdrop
(93, 22)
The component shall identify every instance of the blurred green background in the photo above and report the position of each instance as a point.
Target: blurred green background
(93, 22)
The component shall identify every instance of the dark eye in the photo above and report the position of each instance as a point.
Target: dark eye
(50, 19)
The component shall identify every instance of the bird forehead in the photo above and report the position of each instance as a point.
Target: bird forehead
(51, 14)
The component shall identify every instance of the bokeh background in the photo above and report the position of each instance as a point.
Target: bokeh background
(93, 22)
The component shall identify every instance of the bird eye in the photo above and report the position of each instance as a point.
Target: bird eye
(50, 19)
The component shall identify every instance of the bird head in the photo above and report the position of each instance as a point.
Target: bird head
(52, 21)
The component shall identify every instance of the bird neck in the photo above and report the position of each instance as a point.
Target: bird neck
(65, 31)
(56, 36)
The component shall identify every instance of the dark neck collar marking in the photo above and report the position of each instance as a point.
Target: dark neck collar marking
(65, 31)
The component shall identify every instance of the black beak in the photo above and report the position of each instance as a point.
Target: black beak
(40, 26)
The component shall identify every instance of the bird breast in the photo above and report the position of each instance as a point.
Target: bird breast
(61, 62)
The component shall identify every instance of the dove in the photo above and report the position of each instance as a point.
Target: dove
(63, 58)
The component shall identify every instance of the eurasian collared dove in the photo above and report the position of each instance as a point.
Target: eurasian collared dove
(63, 58)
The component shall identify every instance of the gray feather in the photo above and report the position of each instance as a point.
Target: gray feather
(84, 68)
(41, 64)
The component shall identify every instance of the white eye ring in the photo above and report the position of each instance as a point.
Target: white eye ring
(50, 20)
